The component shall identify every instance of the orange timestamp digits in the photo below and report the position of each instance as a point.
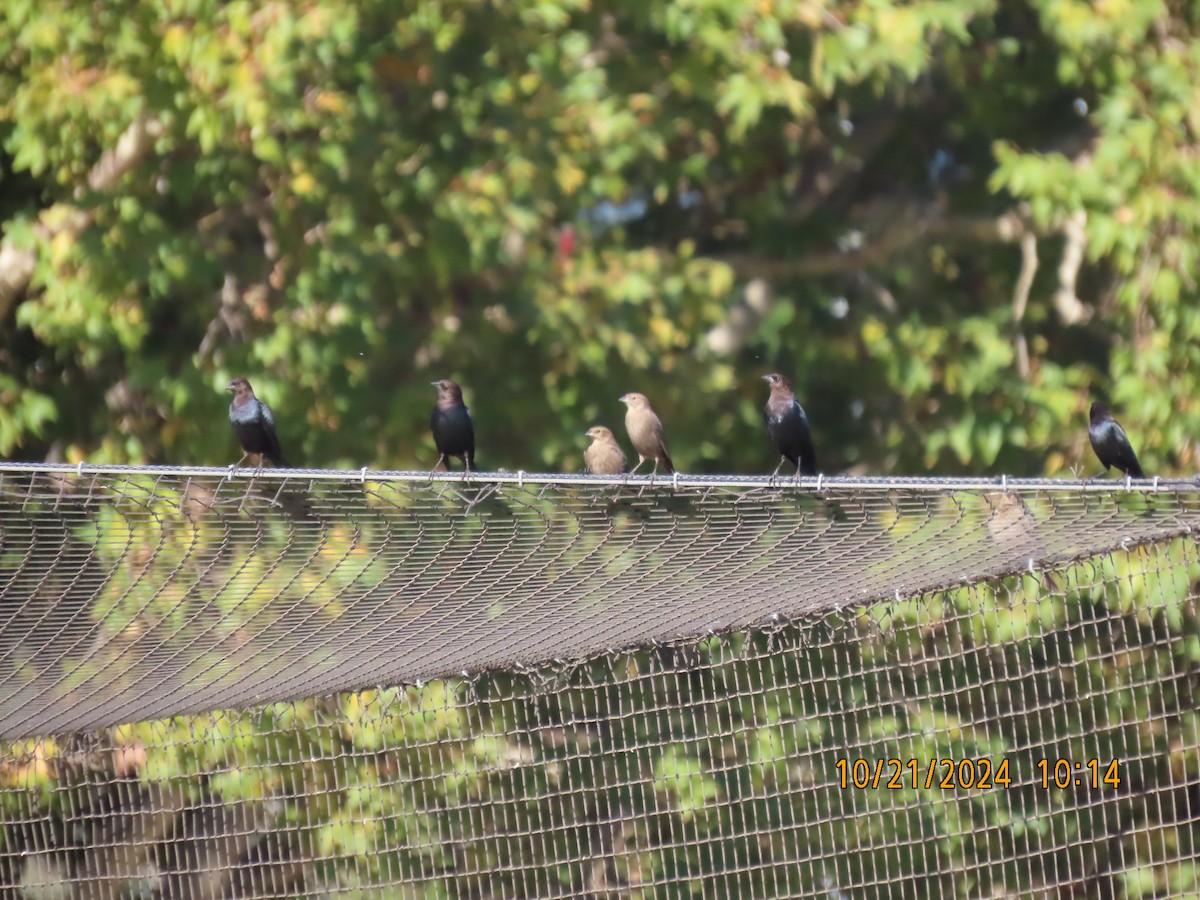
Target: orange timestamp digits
(954, 774)
(944, 774)
(1063, 773)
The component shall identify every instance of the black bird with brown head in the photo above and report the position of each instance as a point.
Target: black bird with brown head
(787, 425)
(253, 424)
(453, 430)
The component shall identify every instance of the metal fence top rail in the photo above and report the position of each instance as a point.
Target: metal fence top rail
(130, 593)
(817, 483)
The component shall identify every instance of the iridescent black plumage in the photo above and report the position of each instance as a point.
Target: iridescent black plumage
(453, 430)
(1111, 443)
(253, 423)
(788, 426)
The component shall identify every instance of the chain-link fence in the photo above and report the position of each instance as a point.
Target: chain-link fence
(716, 688)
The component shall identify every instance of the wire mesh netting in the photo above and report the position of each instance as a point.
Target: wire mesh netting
(385, 685)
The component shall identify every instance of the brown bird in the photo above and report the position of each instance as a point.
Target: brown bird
(645, 432)
(1014, 529)
(604, 455)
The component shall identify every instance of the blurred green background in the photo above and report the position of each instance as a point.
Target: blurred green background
(955, 223)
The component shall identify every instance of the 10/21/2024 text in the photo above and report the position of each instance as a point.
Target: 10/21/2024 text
(948, 773)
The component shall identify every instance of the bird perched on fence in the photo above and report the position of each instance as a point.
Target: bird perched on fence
(604, 455)
(453, 430)
(1014, 530)
(645, 432)
(788, 427)
(253, 424)
(1111, 443)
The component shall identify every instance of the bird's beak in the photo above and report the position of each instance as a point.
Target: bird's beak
(435, 383)
(766, 378)
(230, 387)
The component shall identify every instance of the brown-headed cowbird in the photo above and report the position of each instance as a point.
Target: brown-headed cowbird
(604, 455)
(1110, 442)
(645, 432)
(453, 431)
(253, 424)
(788, 427)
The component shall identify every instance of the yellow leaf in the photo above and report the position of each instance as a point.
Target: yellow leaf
(642, 102)
(44, 35)
(902, 26)
(663, 331)
(873, 331)
(331, 102)
(570, 176)
(529, 82)
(315, 23)
(173, 40)
(304, 184)
(60, 247)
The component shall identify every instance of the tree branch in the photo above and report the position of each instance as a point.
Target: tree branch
(17, 263)
(915, 223)
(742, 320)
(131, 147)
(16, 270)
(1029, 267)
(872, 134)
(905, 229)
(1072, 310)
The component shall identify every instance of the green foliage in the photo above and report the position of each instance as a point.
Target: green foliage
(344, 201)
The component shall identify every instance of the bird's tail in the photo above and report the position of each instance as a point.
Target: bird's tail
(666, 461)
(297, 503)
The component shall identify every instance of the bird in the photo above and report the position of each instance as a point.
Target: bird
(1014, 530)
(788, 427)
(253, 424)
(453, 430)
(604, 455)
(645, 432)
(1111, 443)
